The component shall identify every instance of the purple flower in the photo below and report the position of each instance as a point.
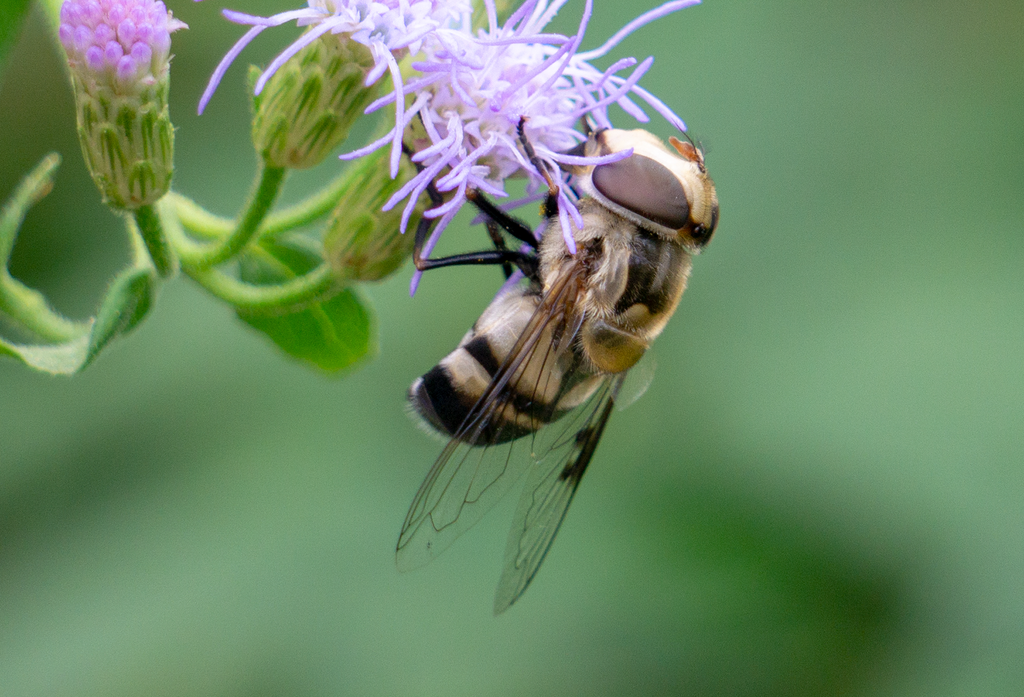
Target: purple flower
(123, 44)
(473, 90)
(470, 91)
(390, 28)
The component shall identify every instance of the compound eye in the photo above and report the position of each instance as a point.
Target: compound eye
(646, 187)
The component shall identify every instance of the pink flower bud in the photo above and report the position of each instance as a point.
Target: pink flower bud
(142, 53)
(119, 55)
(99, 34)
(104, 34)
(94, 58)
(126, 68)
(113, 52)
(126, 32)
(67, 36)
(83, 38)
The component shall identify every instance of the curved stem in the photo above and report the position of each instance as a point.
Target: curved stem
(28, 307)
(246, 296)
(214, 227)
(182, 243)
(305, 212)
(32, 189)
(260, 202)
(197, 219)
(152, 231)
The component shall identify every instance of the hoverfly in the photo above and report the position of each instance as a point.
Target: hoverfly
(532, 384)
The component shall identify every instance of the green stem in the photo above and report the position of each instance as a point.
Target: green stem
(186, 247)
(24, 305)
(317, 283)
(214, 227)
(305, 212)
(260, 202)
(246, 296)
(197, 219)
(28, 307)
(32, 189)
(151, 228)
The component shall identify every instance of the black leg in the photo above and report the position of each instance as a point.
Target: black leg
(527, 263)
(551, 201)
(513, 226)
(422, 231)
(499, 244)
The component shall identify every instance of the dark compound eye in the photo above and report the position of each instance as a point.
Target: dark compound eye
(646, 187)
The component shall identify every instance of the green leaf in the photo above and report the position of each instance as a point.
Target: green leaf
(127, 301)
(57, 359)
(330, 335)
(12, 13)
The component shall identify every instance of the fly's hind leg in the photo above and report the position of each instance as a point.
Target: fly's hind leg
(510, 224)
(527, 262)
(499, 244)
(507, 258)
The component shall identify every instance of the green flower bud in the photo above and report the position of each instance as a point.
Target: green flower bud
(310, 104)
(361, 242)
(119, 55)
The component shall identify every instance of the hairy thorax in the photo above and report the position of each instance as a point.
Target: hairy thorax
(632, 281)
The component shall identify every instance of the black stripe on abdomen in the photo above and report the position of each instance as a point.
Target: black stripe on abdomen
(439, 402)
(480, 349)
(445, 408)
(446, 394)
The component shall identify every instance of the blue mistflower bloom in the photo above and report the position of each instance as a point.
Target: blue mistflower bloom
(390, 28)
(470, 89)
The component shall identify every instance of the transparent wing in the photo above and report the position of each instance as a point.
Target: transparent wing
(469, 478)
(637, 382)
(550, 488)
(464, 483)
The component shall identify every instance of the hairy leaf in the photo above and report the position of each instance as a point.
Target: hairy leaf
(330, 335)
(126, 302)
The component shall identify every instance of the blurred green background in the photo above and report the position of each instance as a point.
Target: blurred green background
(822, 492)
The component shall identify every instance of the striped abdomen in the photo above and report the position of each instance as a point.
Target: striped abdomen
(538, 393)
